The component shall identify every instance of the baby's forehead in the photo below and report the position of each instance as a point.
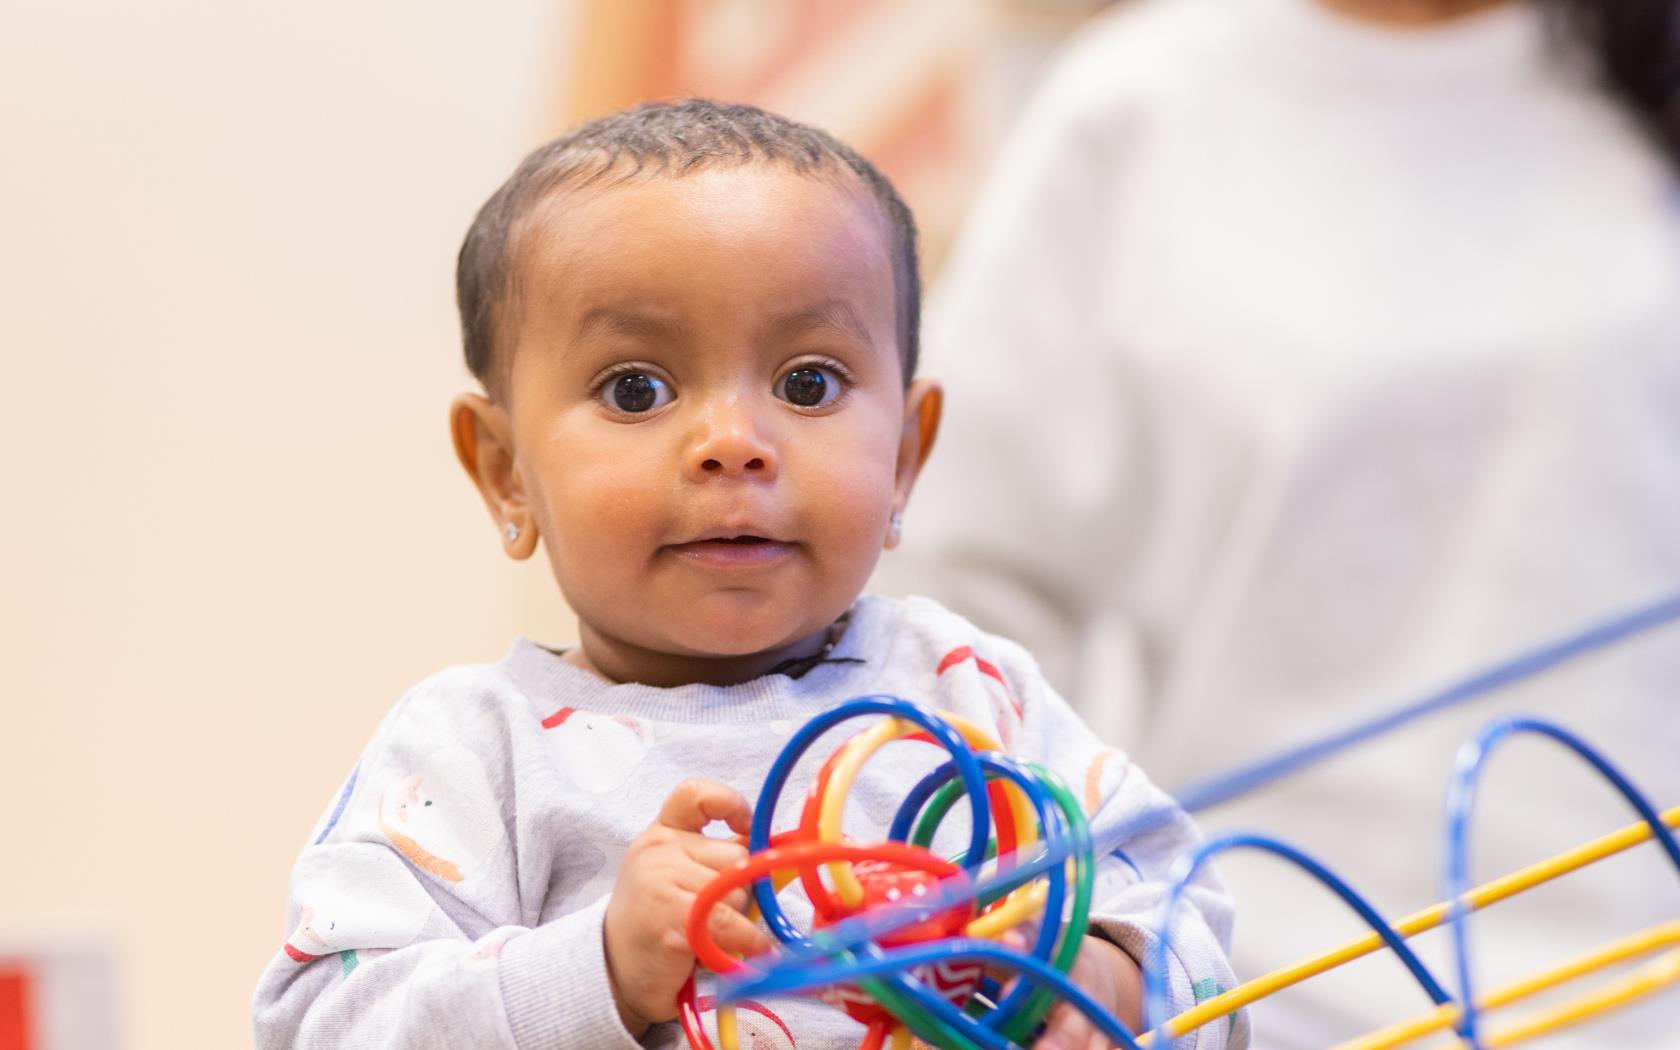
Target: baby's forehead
(655, 320)
(731, 200)
(755, 229)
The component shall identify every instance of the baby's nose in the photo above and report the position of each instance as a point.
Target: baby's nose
(727, 465)
(732, 443)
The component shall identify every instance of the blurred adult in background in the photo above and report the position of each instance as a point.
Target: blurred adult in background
(1356, 325)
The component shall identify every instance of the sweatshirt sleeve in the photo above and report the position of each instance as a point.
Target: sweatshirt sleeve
(406, 923)
(1132, 881)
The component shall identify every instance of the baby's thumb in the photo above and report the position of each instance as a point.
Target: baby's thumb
(1067, 1029)
(1015, 941)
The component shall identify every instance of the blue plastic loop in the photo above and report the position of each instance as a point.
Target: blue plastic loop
(1461, 799)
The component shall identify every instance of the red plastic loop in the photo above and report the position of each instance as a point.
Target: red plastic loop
(798, 856)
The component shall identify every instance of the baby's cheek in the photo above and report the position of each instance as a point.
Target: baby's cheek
(865, 460)
(856, 499)
(605, 509)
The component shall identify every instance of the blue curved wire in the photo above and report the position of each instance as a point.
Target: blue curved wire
(1461, 798)
(875, 923)
(787, 979)
(971, 1027)
(1052, 827)
(1054, 830)
(905, 817)
(967, 767)
(1155, 974)
(1196, 797)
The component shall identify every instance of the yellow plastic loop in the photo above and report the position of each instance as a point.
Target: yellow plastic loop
(1659, 973)
(729, 1036)
(1666, 935)
(858, 750)
(729, 1033)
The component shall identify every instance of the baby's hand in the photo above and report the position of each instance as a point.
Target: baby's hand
(648, 956)
(1111, 978)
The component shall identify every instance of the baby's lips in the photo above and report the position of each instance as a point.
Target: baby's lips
(745, 534)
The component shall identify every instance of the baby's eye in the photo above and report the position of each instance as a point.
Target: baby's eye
(809, 386)
(637, 392)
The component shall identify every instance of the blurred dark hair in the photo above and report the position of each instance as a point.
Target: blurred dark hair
(667, 139)
(1637, 43)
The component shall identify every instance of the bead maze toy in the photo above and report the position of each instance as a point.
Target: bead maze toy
(910, 943)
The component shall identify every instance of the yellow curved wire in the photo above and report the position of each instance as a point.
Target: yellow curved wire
(1429, 918)
(729, 1036)
(850, 761)
(900, 1038)
(1026, 902)
(1665, 935)
(853, 754)
(1653, 976)
(729, 1033)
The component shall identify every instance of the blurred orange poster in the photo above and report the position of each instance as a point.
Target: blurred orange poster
(888, 76)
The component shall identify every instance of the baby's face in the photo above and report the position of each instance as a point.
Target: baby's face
(707, 404)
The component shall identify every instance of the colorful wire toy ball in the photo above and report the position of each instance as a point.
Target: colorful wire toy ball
(903, 938)
(926, 976)
(903, 935)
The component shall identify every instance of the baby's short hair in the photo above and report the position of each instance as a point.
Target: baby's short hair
(669, 139)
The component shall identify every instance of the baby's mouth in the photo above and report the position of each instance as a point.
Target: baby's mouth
(742, 542)
(745, 549)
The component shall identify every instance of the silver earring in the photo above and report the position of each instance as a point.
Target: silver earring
(895, 524)
(511, 531)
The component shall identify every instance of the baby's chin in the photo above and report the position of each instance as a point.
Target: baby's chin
(670, 661)
(747, 641)
(725, 638)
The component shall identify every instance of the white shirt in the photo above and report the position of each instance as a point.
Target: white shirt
(1296, 367)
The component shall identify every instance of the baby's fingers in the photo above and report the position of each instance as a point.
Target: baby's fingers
(1067, 1029)
(696, 803)
(714, 854)
(1016, 941)
(739, 899)
(734, 934)
(727, 922)
(693, 875)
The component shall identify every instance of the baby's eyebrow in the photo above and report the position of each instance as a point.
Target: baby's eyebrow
(834, 313)
(605, 320)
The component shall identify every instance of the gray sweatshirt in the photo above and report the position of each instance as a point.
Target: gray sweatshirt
(453, 894)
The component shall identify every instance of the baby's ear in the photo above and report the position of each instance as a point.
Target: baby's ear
(924, 402)
(484, 444)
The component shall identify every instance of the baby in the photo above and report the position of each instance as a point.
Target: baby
(696, 329)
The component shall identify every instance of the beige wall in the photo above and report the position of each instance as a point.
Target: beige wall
(232, 530)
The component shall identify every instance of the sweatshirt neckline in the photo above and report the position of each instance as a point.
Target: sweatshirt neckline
(547, 679)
